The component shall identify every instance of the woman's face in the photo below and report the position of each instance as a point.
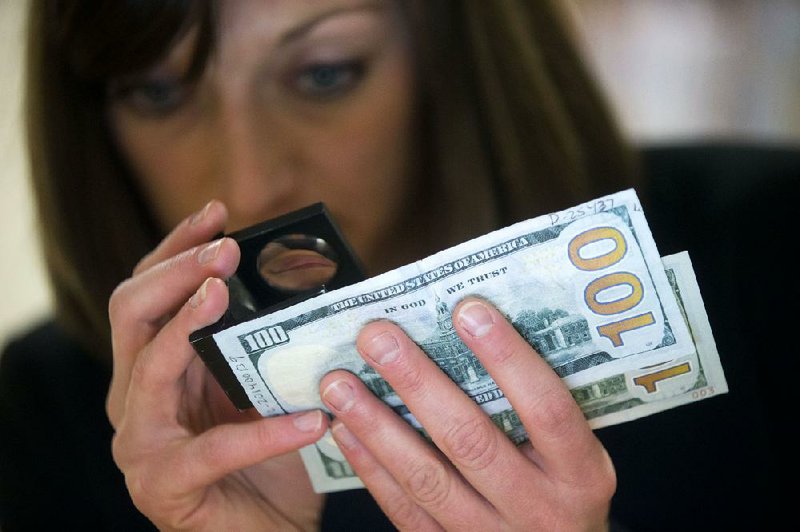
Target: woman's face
(301, 101)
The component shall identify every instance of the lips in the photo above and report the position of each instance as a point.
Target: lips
(297, 260)
(296, 269)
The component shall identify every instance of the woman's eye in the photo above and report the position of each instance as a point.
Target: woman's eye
(156, 98)
(329, 79)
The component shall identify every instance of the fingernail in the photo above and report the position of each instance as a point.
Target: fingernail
(209, 253)
(200, 296)
(382, 348)
(199, 215)
(340, 395)
(475, 318)
(343, 436)
(308, 422)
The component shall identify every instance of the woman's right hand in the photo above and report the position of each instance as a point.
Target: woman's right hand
(190, 459)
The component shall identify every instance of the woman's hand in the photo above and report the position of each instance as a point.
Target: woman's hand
(477, 479)
(190, 459)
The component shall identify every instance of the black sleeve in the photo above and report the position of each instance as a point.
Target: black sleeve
(56, 469)
(353, 511)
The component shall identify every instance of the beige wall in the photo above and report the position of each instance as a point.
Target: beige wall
(24, 294)
(675, 69)
(683, 69)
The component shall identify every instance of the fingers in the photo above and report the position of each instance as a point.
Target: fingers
(422, 477)
(141, 306)
(144, 300)
(200, 227)
(398, 505)
(162, 471)
(138, 308)
(156, 381)
(167, 459)
(225, 449)
(162, 283)
(564, 443)
(466, 435)
(178, 447)
(562, 476)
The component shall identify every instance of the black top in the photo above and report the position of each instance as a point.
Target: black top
(722, 463)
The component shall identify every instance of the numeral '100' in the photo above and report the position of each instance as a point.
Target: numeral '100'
(613, 331)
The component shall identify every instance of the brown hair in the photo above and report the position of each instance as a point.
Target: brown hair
(512, 126)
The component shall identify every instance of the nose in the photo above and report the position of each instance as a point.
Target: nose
(254, 164)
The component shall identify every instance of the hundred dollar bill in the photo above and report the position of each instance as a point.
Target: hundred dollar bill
(585, 286)
(616, 399)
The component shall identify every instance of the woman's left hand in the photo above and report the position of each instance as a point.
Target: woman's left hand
(477, 479)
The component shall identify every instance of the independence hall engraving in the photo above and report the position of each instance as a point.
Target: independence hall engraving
(449, 352)
(445, 348)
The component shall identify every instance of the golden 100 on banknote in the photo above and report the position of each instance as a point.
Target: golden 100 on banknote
(608, 280)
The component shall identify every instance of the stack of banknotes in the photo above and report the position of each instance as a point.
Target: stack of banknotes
(624, 328)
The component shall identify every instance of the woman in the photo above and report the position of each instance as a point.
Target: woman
(419, 124)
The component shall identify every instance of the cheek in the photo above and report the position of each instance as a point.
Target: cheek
(170, 185)
(168, 178)
(372, 187)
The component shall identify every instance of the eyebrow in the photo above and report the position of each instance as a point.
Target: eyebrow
(306, 26)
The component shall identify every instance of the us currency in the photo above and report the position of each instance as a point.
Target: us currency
(619, 398)
(645, 391)
(585, 286)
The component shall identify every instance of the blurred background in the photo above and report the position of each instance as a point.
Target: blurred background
(677, 71)
(682, 70)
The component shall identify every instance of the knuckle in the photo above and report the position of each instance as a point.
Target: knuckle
(157, 491)
(410, 378)
(139, 374)
(134, 468)
(266, 437)
(181, 260)
(136, 488)
(611, 476)
(503, 349)
(604, 481)
(124, 450)
(473, 444)
(606, 491)
(112, 411)
(143, 487)
(117, 302)
(404, 513)
(429, 483)
(553, 414)
(211, 449)
(145, 376)
(157, 495)
(118, 450)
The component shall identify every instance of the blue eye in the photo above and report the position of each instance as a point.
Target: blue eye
(329, 79)
(155, 98)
